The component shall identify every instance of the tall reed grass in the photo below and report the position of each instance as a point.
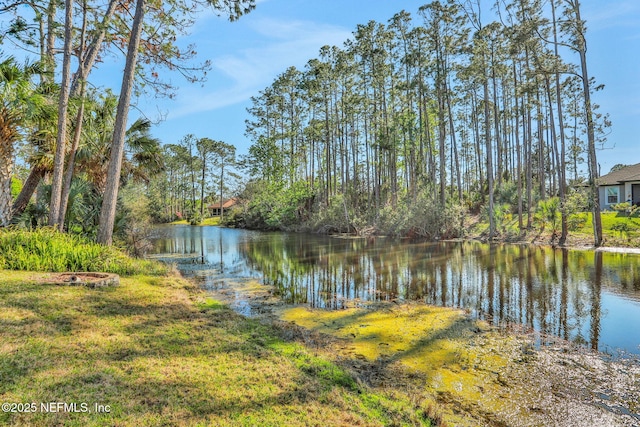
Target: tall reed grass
(45, 249)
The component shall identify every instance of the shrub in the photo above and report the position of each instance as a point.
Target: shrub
(626, 208)
(501, 215)
(576, 222)
(398, 220)
(621, 227)
(335, 217)
(195, 218)
(577, 201)
(46, 249)
(547, 212)
(272, 207)
(135, 230)
(507, 194)
(427, 218)
(474, 201)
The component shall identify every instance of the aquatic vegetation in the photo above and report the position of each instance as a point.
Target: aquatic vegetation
(476, 375)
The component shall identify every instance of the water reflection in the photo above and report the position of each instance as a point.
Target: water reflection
(587, 297)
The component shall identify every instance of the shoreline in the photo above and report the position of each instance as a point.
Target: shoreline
(577, 247)
(465, 366)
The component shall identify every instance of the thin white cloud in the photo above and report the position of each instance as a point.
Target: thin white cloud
(279, 45)
(602, 15)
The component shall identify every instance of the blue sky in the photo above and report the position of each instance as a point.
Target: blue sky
(248, 54)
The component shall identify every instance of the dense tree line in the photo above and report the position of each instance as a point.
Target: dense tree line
(437, 110)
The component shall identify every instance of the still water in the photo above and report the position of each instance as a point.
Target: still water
(586, 297)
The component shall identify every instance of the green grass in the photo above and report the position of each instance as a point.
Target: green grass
(48, 250)
(612, 223)
(211, 221)
(215, 220)
(158, 353)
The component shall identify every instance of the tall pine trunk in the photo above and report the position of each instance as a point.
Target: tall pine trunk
(108, 210)
(63, 105)
(593, 162)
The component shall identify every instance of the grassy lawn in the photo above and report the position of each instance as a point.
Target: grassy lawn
(215, 220)
(613, 234)
(153, 351)
(617, 230)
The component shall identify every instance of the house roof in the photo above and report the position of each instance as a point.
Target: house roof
(626, 174)
(227, 204)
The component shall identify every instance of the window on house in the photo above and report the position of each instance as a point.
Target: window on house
(612, 195)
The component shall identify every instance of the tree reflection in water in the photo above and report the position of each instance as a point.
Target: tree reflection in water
(587, 297)
(554, 291)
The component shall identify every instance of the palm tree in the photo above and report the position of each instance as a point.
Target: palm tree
(41, 142)
(20, 102)
(143, 153)
(143, 156)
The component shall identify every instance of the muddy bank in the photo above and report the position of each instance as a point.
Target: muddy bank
(471, 373)
(475, 374)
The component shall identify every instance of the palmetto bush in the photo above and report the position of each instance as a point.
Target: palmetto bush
(48, 250)
(547, 212)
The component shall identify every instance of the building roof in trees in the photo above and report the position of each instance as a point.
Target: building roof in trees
(622, 175)
(229, 203)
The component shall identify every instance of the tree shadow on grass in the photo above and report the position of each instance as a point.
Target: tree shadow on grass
(158, 359)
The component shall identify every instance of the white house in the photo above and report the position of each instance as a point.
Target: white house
(622, 185)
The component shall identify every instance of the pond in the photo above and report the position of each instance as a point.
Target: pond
(590, 298)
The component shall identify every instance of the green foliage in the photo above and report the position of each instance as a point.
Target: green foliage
(577, 200)
(336, 216)
(36, 214)
(474, 200)
(576, 203)
(234, 217)
(547, 212)
(625, 228)
(626, 208)
(16, 186)
(195, 218)
(507, 194)
(275, 208)
(83, 209)
(501, 215)
(621, 227)
(613, 232)
(48, 250)
(136, 222)
(396, 220)
(428, 219)
(576, 222)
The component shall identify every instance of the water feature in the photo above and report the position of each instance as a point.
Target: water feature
(587, 297)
